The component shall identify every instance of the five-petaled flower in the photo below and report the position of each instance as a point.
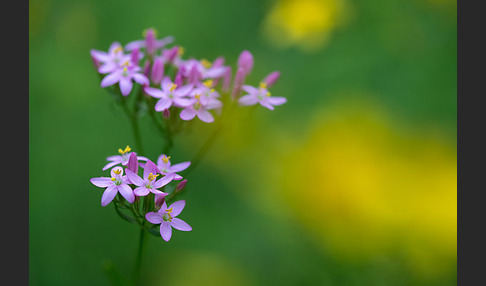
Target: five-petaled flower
(124, 75)
(165, 168)
(112, 60)
(122, 158)
(170, 94)
(260, 95)
(149, 183)
(117, 183)
(166, 217)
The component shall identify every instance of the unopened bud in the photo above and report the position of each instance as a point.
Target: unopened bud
(159, 201)
(135, 56)
(166, 113)
(157, 71)
(146, 68)
(181, 185)
(245, 61)
(271, 78)
(132, 164)
(238, 83)
(150, 41)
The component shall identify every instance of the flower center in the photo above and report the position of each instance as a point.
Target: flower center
(172, 87)
(205, 63)
(208, 83)
(123, 152)
(165, 159)
(167, 217)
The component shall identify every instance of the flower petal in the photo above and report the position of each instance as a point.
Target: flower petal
(101, 182)
(150, 168)
(111, 79)
(250, 89)
(164, 181)
(134, 178)
(108, 195)
(180, 167)
(248, 99)
(135, 44)
(153, 217)
(155, 92)
(165, 230)
(126, 85)
(111, 164)
(205, 116)
(182, 102)
(183, 90)
(140, 79)
(141, 191)
(163, 103)
(180, 224)
(275, 100)
(177, 207)
(126, 192)
(187, 114)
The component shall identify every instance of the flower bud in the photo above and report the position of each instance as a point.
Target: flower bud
(150, 41)
(226, 79)
(245, 61)
(96, 63)
(181, 185)
(159, 201)
(166, 113)
(271, 78)
(238, 83)
(179, 77)
(146, 68)
(135, 56)
(157, 71)
(170, 54)
(132, 164)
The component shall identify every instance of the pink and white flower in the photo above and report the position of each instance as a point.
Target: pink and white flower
(117, 183)
(170, 94)
(111, 61)
(260, 95)
(124, 76)
(149, 183)
(167, 219)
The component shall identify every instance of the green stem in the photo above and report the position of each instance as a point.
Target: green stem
(138, 261)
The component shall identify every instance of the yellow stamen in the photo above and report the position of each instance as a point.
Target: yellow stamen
(205, 63)
(152, 177)
(165, 159)
(268, 94)
(263, 85)
(212, 90)
(125, 64)
(118, 49)
(197, 96)
(127, 149)
(169, 211)
(172, 87)
(180, 51)
(113, 179)
(208, 83)
(117, 171)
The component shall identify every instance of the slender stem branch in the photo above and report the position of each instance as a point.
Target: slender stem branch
(138, 261)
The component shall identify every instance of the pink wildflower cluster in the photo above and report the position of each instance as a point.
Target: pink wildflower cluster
(125, 187)
(157, 78)
(188, 87)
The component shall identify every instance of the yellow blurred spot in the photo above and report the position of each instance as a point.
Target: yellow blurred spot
(306, 24)
(205, 63)
(127, 149)
(208, 83)
(165, 159)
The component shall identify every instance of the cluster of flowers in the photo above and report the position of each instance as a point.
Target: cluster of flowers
(191, 85)
(131, 187)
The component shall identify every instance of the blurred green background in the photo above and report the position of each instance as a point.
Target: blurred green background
(351, 182)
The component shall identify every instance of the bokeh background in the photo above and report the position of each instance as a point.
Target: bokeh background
(351, 182)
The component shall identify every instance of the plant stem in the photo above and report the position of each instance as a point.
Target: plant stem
(138, 261)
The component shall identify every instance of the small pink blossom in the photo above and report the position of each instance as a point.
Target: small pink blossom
(124, 76)
(149, 183)
(170, 94)
(260, 95)
(123, 158)
(167, 219)
(117, 183)
(111, 61)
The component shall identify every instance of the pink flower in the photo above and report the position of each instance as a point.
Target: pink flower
(198, 70)
(166, 217)
(117, 183)
(124, 76)
(260, 95)
(149, 183)
(170, 94)
(200, 109)
(111, 61)
(122, 158)
(165, 168)
(150, 43)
